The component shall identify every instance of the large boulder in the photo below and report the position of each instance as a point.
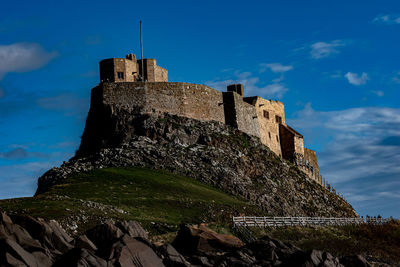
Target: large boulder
(192, 238)
(132, 252)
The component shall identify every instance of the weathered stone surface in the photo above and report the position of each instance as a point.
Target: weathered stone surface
(12, 253)
(210, 152)
(173, 257)
(193, 238)
(80, 257)
(84, 242)
(133, 229)
(104, 234)
(131, 252)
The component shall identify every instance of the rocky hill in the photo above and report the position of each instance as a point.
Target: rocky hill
(210, 152)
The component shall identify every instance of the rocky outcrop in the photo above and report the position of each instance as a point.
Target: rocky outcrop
(210, 152)
(27, 241)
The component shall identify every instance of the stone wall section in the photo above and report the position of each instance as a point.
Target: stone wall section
(240, 114)
(185, 99)
(267, 110)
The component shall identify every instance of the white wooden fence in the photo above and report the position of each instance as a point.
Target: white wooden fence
(301, 221)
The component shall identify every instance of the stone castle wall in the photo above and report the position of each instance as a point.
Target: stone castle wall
(190, 100)
(253, 115)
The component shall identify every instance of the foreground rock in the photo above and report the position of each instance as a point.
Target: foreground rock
(211, 152)
(27, 241)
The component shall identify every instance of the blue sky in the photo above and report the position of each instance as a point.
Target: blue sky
(335, 65)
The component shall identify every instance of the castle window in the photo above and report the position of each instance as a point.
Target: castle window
(266, 114)
(120, 75)
(277, 139)
(278, 119)
(269, 134)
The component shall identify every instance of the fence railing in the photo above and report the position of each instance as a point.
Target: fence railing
(302, 221)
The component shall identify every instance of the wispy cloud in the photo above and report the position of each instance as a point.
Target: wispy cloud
(251, 84)
(20, 153)
(67, 103)
(361, 154)
(23, 57)
(386, 19)
(275, 67)
(356, 79)
(325, 49)
(379, 93)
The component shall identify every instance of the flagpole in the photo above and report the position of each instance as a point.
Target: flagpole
(141, 50)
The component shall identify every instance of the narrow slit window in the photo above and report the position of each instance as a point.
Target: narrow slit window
(269, 134)
(266, 114)
(277, 139)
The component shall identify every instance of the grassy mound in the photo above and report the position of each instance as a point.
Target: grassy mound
(157, 199)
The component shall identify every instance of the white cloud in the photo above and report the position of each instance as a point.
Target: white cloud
(386, 19)
(378, 92)
(275, 67)
(251, 86)
(22, 57)
(355, 79)
(325, 49)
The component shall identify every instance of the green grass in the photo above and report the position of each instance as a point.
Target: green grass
(149, 196)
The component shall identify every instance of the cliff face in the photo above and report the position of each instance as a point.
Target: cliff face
(211, 152)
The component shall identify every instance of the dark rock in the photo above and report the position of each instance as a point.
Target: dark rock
(12, 254)
(84, 242)
(173, 257)
(104, 234)
(192, 238)
(133, 229)
(49, 234)
(131, 252)
(354, 261)
(80, 257)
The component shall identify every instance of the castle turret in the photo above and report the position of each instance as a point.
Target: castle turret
(129, 70)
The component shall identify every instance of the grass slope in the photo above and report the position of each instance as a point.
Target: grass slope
(149, 196)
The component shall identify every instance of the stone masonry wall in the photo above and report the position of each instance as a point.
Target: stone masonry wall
(269, 128)
(190, 100)
(240, 114)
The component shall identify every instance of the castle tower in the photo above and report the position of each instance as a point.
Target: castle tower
(129, 70)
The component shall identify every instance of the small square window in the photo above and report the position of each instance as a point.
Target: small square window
(266, 114)
(120, 75)
(278, 119)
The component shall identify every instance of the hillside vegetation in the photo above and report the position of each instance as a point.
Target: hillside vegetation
(158, 199)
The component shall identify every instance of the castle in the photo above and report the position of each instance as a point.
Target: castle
(141, 84)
